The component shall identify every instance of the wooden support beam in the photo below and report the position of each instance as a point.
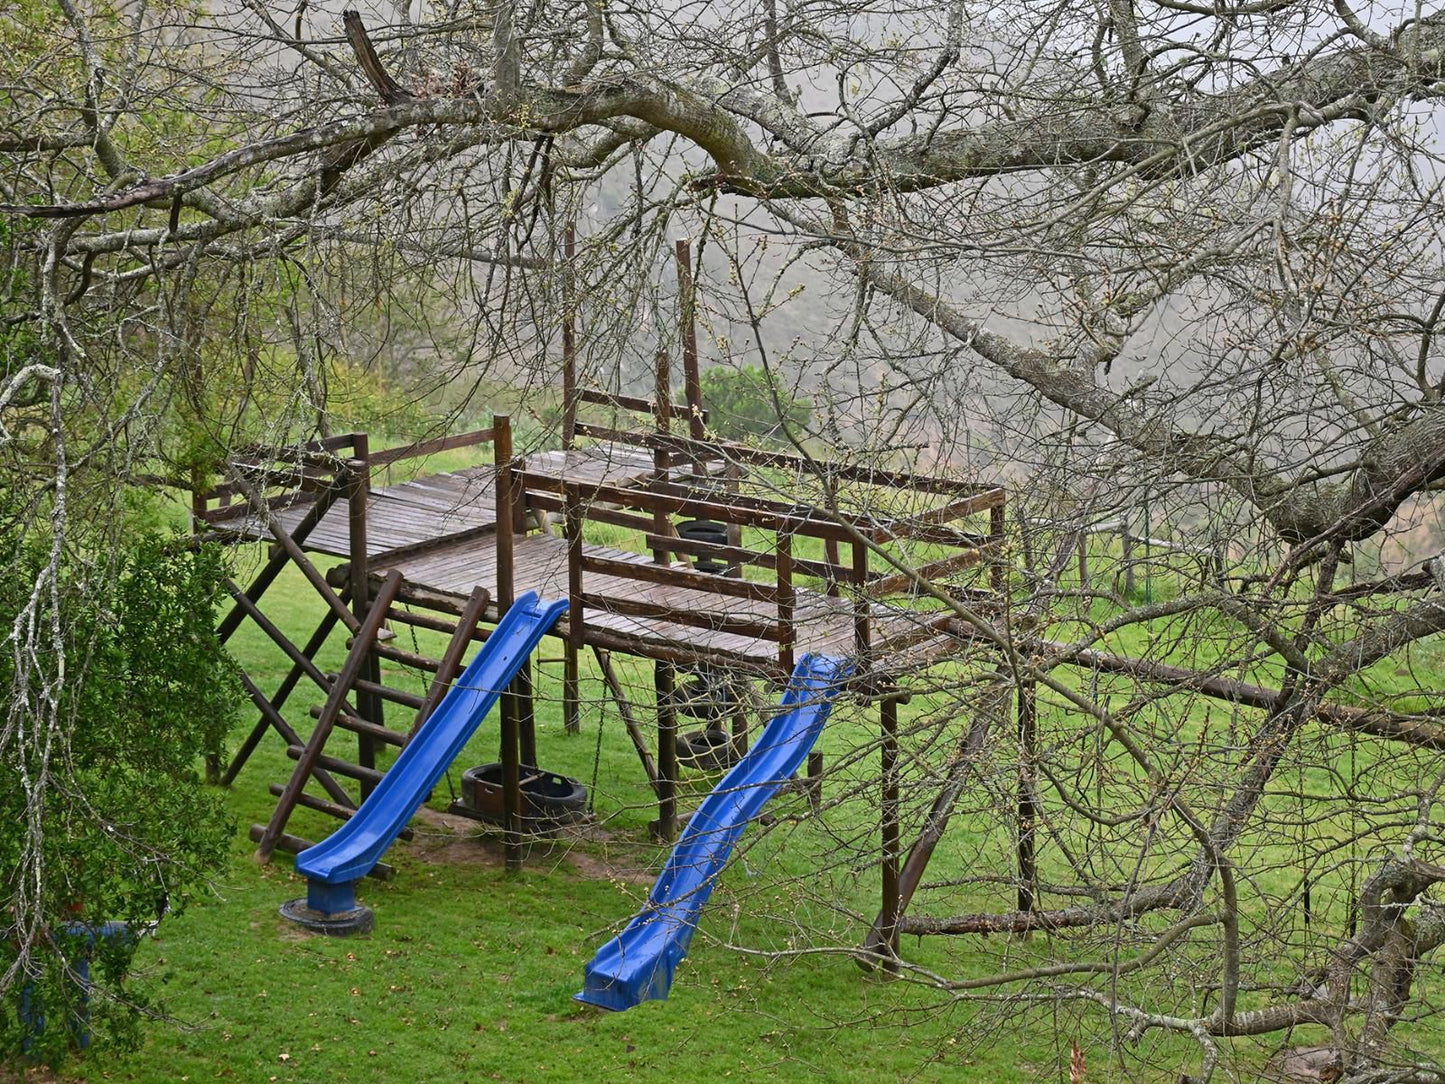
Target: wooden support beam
(787, 601)
(298, 657)
(664, 680)
(629, 718)
(358, 494)
(339, 766)
(969, 747)
(1028, 741)
(510, 752)
(569, 337)
(357, 725)
(293, 550)
(273, 718)
(277, 562)
(350, 671)
(277, 702)
(888, 835)
(451, 661)
(331, 809)
(691, 375)
(388, 692)
(408, 658)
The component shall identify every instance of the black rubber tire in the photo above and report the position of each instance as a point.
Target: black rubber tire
(359, 920)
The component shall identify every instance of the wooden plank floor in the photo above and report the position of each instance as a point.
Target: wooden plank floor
(824, 624)
(438, 506)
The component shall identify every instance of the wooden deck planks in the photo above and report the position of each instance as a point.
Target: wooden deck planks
(436, 506)
(432, 508)
(824, 624)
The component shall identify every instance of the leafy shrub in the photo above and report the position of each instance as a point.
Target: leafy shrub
(103, 813)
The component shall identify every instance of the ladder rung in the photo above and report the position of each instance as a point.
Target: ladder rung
(340, 767)
(409, 658)
(386, 692)
(362, 726)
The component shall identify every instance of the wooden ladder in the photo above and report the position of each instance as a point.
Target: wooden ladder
(312, 760)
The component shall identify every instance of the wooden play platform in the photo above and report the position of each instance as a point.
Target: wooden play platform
(695, 554)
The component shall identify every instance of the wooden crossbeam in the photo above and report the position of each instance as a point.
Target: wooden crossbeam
(293, 550)
(273, 706)
(277, 561)
(451, 661)
(629, 719)
(361, 648)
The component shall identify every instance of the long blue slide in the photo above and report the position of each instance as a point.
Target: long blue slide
(333, 866)
(638, 964)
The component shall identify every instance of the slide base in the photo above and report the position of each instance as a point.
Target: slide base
(330, 899)
(339, 924)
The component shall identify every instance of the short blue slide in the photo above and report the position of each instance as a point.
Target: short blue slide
(333, 866)
(638, 964)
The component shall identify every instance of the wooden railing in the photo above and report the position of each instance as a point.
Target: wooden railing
(293, 475)
(769, 609)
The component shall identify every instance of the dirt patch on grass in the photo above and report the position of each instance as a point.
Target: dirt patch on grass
(35, 1074)
(289, 931)
(598, 868)
(446, 839)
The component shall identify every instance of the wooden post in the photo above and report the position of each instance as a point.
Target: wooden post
(576, 618)
(998, 570)
(510, 752)
(1027, 712)
(786, 603)
(358, 490)
(1026, 542)
(1083, 547)
(1127, 544)
(198, 527)
(569, 338)
(664, 680)
(888, 831)
(831, 555)
(691, 376)
(350, 671)
(862, 635)
(664, 676)
(661, 460)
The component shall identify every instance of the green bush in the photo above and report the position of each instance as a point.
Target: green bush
(748, 403)
(103, 813)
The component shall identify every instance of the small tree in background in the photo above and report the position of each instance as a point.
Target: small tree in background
(749, 402)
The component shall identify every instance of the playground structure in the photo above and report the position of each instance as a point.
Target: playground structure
(801, 559)
(426, 553)
(798, 559)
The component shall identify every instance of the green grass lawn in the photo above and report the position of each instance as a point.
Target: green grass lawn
(470, 972)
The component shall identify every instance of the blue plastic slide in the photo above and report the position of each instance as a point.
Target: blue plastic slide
(333, 866)
(638, 964)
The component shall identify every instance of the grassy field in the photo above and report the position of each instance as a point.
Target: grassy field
(470, 972)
